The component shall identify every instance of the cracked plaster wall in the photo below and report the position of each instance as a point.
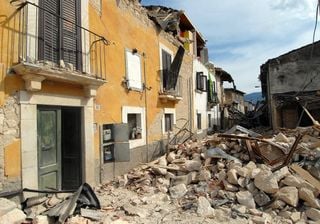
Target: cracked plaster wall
(9, 133)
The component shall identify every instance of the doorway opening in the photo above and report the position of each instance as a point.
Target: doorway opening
(59, 147)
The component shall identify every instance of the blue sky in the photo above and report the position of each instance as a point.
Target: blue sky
(242, 35)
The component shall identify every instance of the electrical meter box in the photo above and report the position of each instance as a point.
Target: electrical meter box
(114, 142)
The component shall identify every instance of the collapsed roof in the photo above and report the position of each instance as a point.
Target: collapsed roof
(173, 21)
(224, 76)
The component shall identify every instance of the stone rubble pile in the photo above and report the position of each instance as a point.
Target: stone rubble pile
(216, 179)
(10, 213)
(202, 178)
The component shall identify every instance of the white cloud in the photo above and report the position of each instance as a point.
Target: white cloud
(242, 35)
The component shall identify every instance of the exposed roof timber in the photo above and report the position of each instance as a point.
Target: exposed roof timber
(166, 18)
(224, 76)
(171, 20)
(185, 21)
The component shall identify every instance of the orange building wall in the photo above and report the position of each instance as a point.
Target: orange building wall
(11, 83)
(126, 31)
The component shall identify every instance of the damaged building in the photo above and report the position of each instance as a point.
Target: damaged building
(289, 83)
(125, 86)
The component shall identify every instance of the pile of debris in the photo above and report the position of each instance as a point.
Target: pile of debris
(252, 176)
(52, 207)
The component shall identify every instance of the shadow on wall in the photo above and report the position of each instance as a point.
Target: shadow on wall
(157, 149)
(11, 39)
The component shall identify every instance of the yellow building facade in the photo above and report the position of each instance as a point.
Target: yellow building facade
(83, 92)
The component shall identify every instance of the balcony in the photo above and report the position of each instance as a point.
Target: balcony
(171, 86)
(55, 47)
(213, 100)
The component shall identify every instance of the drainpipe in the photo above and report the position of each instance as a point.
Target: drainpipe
(191, 104)
(146, 102)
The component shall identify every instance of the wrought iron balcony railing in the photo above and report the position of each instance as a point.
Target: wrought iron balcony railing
(56, 41)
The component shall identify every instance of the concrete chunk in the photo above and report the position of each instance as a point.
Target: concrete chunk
(245, 198)
(232, 176)
(192, 165)
(261, 198)
(6, 206)
(313, 214)
(204, 207)
(178, 191)
(266, 182)
(14, 216)
(289, 195)
(308, 196)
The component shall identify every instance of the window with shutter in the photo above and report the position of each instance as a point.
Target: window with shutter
(166, 63)
(204, 83)
(198, 80)
(133, 69)
(198, 121)
(70, 32)
(59, 36)
(209, 90)
(168, 122)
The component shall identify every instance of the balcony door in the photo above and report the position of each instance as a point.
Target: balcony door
(59, 31)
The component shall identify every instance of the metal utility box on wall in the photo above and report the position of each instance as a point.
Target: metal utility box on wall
(114, 142)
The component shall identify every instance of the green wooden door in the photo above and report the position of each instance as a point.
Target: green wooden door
(49, 152)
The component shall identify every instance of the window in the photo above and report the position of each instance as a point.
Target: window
(170, 68)
(201, 81)
(166, 63)
(133, 70)
(59, 38)
(209, 121)
(136, 119)
(168, 122)
(199, 121)
(134, 124)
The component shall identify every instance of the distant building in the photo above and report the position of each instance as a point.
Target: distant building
(289, 81)
(248, 106)
(234, 98)
(233, 107)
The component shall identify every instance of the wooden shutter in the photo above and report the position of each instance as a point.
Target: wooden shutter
(60, 39)
(198, 80)
(133, 67)
(49, 30)
(166, 63)
(209, 90)
(70, 32)
(204, 83)
(176, 65)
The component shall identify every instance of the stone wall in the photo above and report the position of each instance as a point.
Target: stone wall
(9, 132)
(136, 9)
